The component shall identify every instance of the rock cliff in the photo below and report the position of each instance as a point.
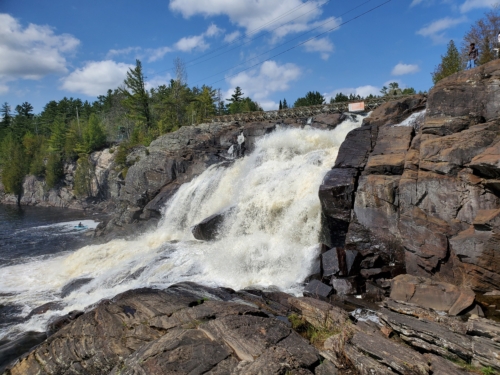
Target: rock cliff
(427, 193)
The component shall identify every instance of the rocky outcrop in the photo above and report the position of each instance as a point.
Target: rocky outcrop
(105, 187)
(424, 196)
(185, 329)
(192, 329)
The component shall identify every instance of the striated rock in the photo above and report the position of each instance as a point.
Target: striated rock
(429, 336)
(187, 328)
(432, 294)
(441, 366)
(365, 365)
(487, 163)
(399, 358)
(319, 313)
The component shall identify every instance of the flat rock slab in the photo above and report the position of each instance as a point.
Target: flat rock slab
(400, 358)
(317, 289)
(429, 336)
(432, 294)
(441, 366)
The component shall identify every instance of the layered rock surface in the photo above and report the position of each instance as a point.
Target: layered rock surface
(424, 196)
(191, 329)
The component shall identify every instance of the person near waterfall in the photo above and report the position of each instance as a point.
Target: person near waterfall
(473, 54)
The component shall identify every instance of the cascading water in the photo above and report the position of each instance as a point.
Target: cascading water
(269, 236)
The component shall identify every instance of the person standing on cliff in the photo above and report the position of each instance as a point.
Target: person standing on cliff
(472, 56)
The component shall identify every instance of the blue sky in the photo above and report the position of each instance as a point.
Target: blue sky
(80, 49)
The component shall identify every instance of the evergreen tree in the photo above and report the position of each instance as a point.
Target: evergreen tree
(451, 63)
(285, 104)
(311, 98)
(84, 176)
(6, 116)
(93, 135)
(54, 170)
(281, 106)
(339, 98)
(486, 54)
(13, 165)
(136, 97)
(234, 105)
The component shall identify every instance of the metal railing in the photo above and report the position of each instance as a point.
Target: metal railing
(304, 112)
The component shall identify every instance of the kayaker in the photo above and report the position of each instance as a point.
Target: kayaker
(80, 225)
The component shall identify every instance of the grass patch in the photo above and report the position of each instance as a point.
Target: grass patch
(315, 335)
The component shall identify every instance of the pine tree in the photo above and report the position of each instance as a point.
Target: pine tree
(285, 104)
(311, 98)
(136, 97)
(6, 116)
(281, 106)
(450, 63)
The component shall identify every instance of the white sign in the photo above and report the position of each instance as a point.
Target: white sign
(357, 107)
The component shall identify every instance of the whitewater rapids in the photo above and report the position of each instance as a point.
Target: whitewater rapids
(270, 238)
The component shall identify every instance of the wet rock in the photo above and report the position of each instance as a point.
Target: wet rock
(74, 285)
(13, 349)
(432, 294)
(336, 193)
(208, 229)
(353, 152)
(50, 306)
(317, 289)
(365, 365)
(345, 286)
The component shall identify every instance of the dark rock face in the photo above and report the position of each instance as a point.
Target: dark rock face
(426, 196)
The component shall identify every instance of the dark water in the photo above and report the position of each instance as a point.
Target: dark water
(32, 232)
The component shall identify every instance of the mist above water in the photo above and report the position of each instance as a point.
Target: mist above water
(269, 237)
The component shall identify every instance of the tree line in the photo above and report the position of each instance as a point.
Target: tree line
(484, 33)
(69, 130)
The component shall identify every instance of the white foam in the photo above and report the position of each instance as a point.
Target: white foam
(414, 120)
(269, 238)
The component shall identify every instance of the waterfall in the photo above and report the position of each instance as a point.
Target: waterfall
(269, 236)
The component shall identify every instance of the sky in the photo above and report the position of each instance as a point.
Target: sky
(272, 49)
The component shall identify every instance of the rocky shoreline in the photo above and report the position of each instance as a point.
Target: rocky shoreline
(410, 222)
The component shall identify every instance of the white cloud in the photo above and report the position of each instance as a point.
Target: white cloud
(435, 30)
(255, 15)
(4, 89)
(416, 2)
(123, 52)
(231, 37)
(96, 77)
(474, 4)
(402, 69)
(362, 91)
(32, 52)
(268, 79)
(187, 44)
(157, 53)
(323, 45)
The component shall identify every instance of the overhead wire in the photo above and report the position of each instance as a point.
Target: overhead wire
(302, 43)
(248, 41)
(289, 41)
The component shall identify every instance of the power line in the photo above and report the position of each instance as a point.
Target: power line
(289, 41)
(253, 32)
